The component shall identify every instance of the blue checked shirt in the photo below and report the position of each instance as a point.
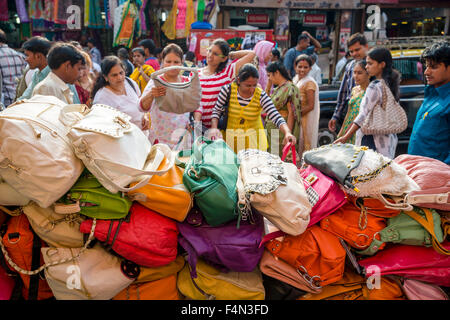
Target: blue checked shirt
(345, 92)
(12, 64)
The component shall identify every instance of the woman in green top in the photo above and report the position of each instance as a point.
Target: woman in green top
(362, 81)
(286, 98)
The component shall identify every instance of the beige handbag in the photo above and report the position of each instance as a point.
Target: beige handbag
(10, 197)
(387, 117)
(94, 275)
(275, 189)
(57, 230)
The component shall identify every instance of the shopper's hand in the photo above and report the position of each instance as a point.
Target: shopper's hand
(158, 91)
(289, 138)
(332, 125)
(214, 134)
(146, 122)
(340, 140)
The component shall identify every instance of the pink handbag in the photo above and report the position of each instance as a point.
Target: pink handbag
(6, 285)
(418, 290)
(413, 262)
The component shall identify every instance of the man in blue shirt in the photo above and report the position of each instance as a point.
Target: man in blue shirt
(303, 47)
(431, 132)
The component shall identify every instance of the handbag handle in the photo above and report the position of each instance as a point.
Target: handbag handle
(73, 113)
(47, 265)
(286, 148)
(164, 70)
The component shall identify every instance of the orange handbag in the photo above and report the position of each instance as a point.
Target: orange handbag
(162, 289)
(374, 206)
(317, 254)
(165, 194)
(353, 223)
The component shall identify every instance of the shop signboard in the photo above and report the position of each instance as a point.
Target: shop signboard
(314, 19)
(294, 4)
(257, 18)
(380, 1)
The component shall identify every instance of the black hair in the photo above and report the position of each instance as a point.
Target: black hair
(123, 53)
(106, 65)
(248, 70)
(91, 40)
(303, 57)
(314, 57)
(3, 37)
(37, 45)
(278, 66)
(438, 52)
(302, 37)
(172, 48)
(63, 52)
(390, 75)
(225, 48)
(190, 56)
(139, 50)
(276, 53)
(355, 38)
(362, 63)
(148, 44)
(158, 50)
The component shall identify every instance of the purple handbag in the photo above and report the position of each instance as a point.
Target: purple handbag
(225, 247)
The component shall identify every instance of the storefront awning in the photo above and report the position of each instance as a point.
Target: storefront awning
(290, 4)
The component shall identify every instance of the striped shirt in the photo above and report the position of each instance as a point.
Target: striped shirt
(211, 86)
(265, 102)
(12, 64)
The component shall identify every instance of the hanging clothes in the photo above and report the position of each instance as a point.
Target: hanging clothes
(126, 17)
(142, 16)
(201, 10)
(48, 10)
(95, 15)
(169, 27)
(35, 9)
(112, 9)
(22, 11)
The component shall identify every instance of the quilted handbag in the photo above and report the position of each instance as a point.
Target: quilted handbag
(93, 275)
(112, 148)
(165, 194)
(225, 246)
(274, 188)
(324, 194)
(406, 229)
(144, 237)
(386, 117)
(412, 262)
(362, 172)
(57, 230)
(433, 178)
(180, 97)
(211, 174)
(161, 289)
(211, 284)
(89, 198)
(36, 158)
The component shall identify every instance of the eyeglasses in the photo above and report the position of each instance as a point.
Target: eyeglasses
(215, 53)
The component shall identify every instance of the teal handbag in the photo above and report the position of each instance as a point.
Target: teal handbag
(88, 197)
(211, 174)
(410, 228)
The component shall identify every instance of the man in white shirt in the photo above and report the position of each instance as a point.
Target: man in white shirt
(316, 72)
(65, 62)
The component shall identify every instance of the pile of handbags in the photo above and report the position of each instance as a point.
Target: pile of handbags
(90, 210)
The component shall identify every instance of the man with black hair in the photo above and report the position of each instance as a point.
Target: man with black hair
(150, 53)
(95, 54)
(303, 47)
(65, 62)
(12, 64)
(36, 50)
(430, 136)
(358, 47)
(122, 53)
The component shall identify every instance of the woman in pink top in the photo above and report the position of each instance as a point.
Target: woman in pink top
(263, 50)
(218, 73)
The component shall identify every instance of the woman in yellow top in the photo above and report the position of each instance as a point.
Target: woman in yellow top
(245, 101)
(142, 72)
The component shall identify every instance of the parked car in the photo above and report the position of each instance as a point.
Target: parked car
(407, 62)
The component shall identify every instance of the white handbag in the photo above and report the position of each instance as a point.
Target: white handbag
(11, 197)
(180, 97)
(275, 189)
(36, 158)
(94, 275)
(57, 230)
(112, 148)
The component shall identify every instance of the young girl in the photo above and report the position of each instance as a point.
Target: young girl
(166, 127)
(309, 95)
(361, 78)
(379, 66)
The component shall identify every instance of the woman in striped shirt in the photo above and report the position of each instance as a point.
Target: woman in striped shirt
(246, 100)
(218, 73)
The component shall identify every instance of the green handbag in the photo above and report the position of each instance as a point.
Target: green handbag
(211, 174)
(90, 198)
(410, 228)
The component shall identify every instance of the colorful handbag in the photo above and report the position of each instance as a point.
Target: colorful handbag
(225, 247)
(274, 188)
(165, 194)
(91, 199)
(211, 174)
(317, 254)
(324, 194)
(405, 229)
(153, 274)
(144, 237)
(211, 284)
(161, 289)
(412, 262)
(419, 290)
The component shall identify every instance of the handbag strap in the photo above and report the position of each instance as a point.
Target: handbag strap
(164, 70)
(287, 147)
(271, 236)
(47, 265)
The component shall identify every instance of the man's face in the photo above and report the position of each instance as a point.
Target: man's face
(304, 43)
(436, 73)
(138, 59)
(72, 73)
(32, 59)
(358, 51)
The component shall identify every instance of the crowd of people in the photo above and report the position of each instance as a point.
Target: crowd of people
(268, 99)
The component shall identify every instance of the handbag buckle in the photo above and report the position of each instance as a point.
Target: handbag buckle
(311, 178)
(124, 124)
(313, 281)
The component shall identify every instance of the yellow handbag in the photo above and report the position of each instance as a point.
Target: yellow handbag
(211, 284)
(165, 194)
(162, 289)
(153, 274)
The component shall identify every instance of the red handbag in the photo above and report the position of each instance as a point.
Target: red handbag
(414, 262)
(143, 237)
